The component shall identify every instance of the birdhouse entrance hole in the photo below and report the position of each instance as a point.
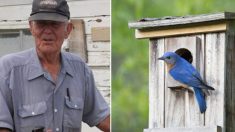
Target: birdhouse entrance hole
(185, 53)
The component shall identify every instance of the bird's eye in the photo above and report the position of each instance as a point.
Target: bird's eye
(168, 57)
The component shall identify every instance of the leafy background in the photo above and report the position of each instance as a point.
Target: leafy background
(130, 56)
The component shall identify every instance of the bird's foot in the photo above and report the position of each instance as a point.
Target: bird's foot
(180, 88)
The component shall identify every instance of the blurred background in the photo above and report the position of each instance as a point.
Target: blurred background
(130, 56)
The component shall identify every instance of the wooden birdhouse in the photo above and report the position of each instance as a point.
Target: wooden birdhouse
(208, 42)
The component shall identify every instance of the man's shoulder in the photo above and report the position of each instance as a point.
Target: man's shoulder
(72, 57)
(18, 58)
(15, 59)
(76, 61)
(12, 60)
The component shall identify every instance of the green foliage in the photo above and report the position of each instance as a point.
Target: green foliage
(130, 56)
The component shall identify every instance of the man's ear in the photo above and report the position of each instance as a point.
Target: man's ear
(31, 27)
(69, 28)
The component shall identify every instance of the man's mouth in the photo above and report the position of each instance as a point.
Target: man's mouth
(48, 40)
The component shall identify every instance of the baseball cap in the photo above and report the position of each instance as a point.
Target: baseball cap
(54, 10)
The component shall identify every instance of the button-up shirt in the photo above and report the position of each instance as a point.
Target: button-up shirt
(30, 99)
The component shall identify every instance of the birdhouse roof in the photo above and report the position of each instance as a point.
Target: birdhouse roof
(146, 23)
(185, 25)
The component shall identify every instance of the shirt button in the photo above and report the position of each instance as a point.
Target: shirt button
(33, 113)
(55, 110)
(57, 129)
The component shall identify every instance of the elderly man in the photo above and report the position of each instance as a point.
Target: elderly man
(44, 89)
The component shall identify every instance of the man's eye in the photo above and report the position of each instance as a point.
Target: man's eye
(57, 23)
(39, 23)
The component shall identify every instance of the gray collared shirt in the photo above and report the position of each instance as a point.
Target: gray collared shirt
(30, 99)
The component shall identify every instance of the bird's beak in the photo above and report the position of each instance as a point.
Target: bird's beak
(161, 58)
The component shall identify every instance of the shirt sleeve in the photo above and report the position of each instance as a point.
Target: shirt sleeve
(95, 107)
(6, 120)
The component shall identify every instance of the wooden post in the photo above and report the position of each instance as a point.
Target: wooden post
(77, 39)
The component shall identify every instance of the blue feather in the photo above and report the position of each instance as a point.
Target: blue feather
(183, 72)
(200, 99)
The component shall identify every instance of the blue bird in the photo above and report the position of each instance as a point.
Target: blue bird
(183, 72)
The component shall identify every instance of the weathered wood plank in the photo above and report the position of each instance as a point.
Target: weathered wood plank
(99, 58)
(14, 2)
(100, 21)
(14, 25)
(156, 84)
(160, 22)
(214, 76)
(97, 46)
(90, 8)
(77, 39)
(90, 22)
(197, 119)
(100, 34)
(182, 108)
(106, 93)
(230, 79)
(20, 2)
(102, 77)
(20, 12)
(87, 128)
(87, 7)
(183, 30)
(191, 129)
(174, 101)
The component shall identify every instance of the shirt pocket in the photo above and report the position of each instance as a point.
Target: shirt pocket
(73, 112)
(32, 115)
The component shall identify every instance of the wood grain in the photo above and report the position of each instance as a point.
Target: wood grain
(102, 76)
(173, 21)
(230, 79)
(190, 129)
(22, 2)
(77, 39)
(78, 9)
(211, 40)
(99, 58)
(214, 76)
(100, 34)
(156, 84)
(182, 108)
(97, 46)
(182, 30)
(105, 92)
(96, 21)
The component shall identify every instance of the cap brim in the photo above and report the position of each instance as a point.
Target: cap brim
(48, 16)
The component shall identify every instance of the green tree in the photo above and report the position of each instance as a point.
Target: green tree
(130, 56)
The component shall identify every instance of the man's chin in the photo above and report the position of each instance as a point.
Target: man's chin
(47, 50)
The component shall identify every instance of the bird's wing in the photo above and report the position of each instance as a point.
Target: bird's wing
(184, 77)
(186, 73)
(187, 66)
(196, 75)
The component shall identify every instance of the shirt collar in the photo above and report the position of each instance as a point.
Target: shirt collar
(36, 70)
(66, 66)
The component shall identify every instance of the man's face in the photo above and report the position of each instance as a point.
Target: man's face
(49, 35)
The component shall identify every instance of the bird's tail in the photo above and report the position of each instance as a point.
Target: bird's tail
(200, 99)
(204, 86)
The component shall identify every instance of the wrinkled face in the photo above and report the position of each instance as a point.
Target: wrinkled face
(49, 35)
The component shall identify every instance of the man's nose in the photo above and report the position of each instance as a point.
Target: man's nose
(47, 29)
